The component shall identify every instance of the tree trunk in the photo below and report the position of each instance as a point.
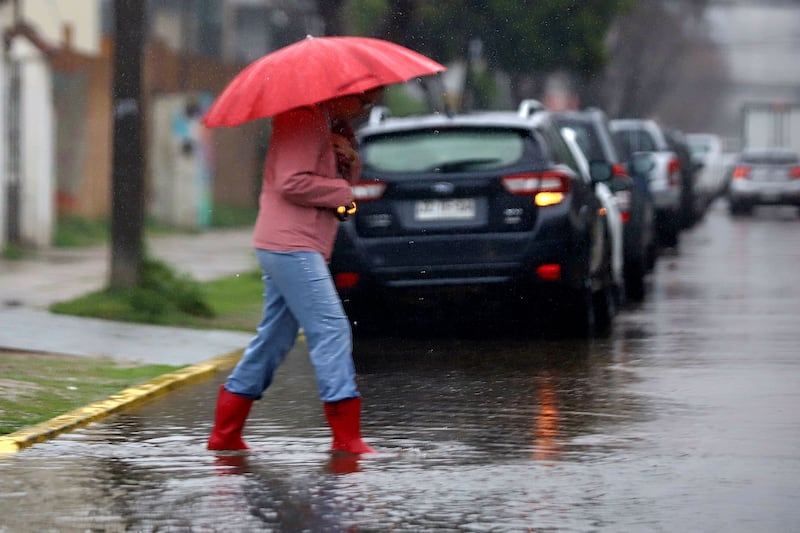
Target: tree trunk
(398, 25)
(127, 202)
(331, 13)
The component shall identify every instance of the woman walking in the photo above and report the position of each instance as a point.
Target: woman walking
(308, 174)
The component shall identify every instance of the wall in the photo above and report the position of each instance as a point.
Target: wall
(3, 174)
(36, 144)
(82, 98)
(236, 160)
(68, 126)
(46, 26)
(49, 18)
(180, 157)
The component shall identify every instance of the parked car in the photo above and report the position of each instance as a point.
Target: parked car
(632, 195)
(611, 227)
(688, 211)
(491, 205)
(641, 135)
(764, 176)
(709, 159)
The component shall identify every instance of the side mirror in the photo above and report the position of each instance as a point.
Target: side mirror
(600, 171)
(620, 183)
(642, 163)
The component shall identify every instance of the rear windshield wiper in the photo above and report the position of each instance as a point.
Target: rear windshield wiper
(461, 164)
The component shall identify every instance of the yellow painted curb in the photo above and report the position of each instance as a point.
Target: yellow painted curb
(29, 436)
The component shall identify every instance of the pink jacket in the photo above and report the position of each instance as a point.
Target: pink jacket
(300, 188)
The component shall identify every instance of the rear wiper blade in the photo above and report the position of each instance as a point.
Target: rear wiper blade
(462, 164)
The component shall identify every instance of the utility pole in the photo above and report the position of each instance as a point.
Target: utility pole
(14, 137)
(127, 184)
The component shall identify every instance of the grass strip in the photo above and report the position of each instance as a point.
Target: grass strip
(81, 416)
(35, 387)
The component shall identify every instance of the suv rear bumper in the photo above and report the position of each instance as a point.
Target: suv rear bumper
(765, 193)
(434, 263)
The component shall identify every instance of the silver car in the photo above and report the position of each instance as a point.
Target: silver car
(709, 157)
(640, 135)
(764, 176)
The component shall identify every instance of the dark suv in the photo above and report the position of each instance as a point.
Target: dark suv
(631, 190)
(469, 208)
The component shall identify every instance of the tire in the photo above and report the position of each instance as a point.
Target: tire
(604, 309)
(604, 300)
(668, 235)
(738, 209)
(579, 313)
(584, 313)
(634, 280)
(652, 256)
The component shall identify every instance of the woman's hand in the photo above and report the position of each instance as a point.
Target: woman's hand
(346, 157)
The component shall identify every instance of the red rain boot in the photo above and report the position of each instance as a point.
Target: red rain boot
(231, 414)
(344, 418)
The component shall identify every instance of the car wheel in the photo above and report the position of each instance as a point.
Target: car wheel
(578, 314)
(669, 234)
(652, 256)
(736, 209)
(604, 300)
(604, 310)
(590, 314)
(635, 270)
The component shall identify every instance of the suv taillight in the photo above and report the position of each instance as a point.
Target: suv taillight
(623, 198)
(547, 188)
(741, 172)
(618, 170)
(794, 172)
(674, 172)
(364, 191)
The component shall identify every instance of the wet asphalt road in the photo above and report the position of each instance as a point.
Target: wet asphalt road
(684, 419)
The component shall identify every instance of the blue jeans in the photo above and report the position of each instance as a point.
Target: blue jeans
(298, 292)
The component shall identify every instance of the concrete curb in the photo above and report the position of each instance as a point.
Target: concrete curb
(41, 432)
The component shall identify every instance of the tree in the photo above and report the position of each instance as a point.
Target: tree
(663, 63)
(523, 38)
(331, 12)
(127, 202)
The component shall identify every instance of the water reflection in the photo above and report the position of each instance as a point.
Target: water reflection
(545, 436)
(462, 429)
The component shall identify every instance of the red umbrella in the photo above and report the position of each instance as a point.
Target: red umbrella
(311, 71)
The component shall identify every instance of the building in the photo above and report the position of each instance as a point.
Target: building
(56, 102)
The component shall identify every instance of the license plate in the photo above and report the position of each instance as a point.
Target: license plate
(770, 196)
(450, 209)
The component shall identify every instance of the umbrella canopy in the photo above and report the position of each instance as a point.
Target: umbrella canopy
(311, 71)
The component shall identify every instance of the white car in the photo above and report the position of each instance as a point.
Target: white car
(709, 159)
(610, 211)
(765, 176)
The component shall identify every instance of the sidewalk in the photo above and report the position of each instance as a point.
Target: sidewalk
(28, 287)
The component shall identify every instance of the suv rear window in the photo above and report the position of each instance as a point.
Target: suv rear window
(632, 141)
(456, 150)
(770, 158)
(586, 137)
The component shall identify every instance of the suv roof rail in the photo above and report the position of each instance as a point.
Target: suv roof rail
(529, 107)
(378, 115)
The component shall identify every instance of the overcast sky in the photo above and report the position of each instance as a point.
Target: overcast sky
(762, 41)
